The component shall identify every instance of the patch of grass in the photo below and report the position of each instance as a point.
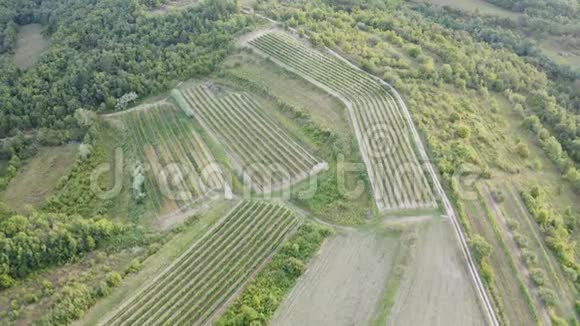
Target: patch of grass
(39, 176)
(479, 6)
(559, 50)
(403, 257)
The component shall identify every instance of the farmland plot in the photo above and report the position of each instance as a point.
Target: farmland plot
(436, 289)
(194, 289)
(267, 157)
(397, 178)
(180, 166)
(343, 284)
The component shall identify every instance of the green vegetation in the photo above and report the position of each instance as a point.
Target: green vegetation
(259, 300)
(40, 240)
(556, 229)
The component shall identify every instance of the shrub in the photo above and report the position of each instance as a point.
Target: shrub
(134, 267)
(103, 289)
(295, 267)
(487, 272)
(512, 224)
(6, 281)
(31, 298)
(463, 132)
(521, 240)
(538, 276)
(47, 288)
(497, 196)
(570, 273)
(114, 279)
(413, 50)
(522, 150)
(548, 296)
(530, 258)
(480, 248)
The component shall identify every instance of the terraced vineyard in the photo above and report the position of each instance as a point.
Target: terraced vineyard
(267, 157)
(395, 173)
(181, 167)
(194, 288)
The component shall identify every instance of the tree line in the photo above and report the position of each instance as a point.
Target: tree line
(39, 240)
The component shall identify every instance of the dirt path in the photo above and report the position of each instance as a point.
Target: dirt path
(343, 284)
(436, 289)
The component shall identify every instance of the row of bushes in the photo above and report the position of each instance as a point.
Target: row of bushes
(259, 300)
(556, 234)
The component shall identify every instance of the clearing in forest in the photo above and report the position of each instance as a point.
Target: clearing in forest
(30, 44)
(201, 282)
(395, 172)
(38, 178)
(267, 157)
(180, 168)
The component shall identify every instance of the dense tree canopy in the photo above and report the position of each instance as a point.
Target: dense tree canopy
(30, 243)
(102, 50)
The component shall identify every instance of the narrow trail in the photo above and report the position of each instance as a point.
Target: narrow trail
(450, 212)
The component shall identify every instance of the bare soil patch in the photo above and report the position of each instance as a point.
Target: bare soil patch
(436, 289)
(344, 284)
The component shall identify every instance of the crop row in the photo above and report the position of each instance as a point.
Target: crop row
(395, 173)
(172, 148)
(264, 152)
(208, 274)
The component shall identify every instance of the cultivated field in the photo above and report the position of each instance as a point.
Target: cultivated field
(180, 167)
(202, 280)
(385, 140)
(343, 284)
(266, 156)
(436, 288)
(29, 45)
